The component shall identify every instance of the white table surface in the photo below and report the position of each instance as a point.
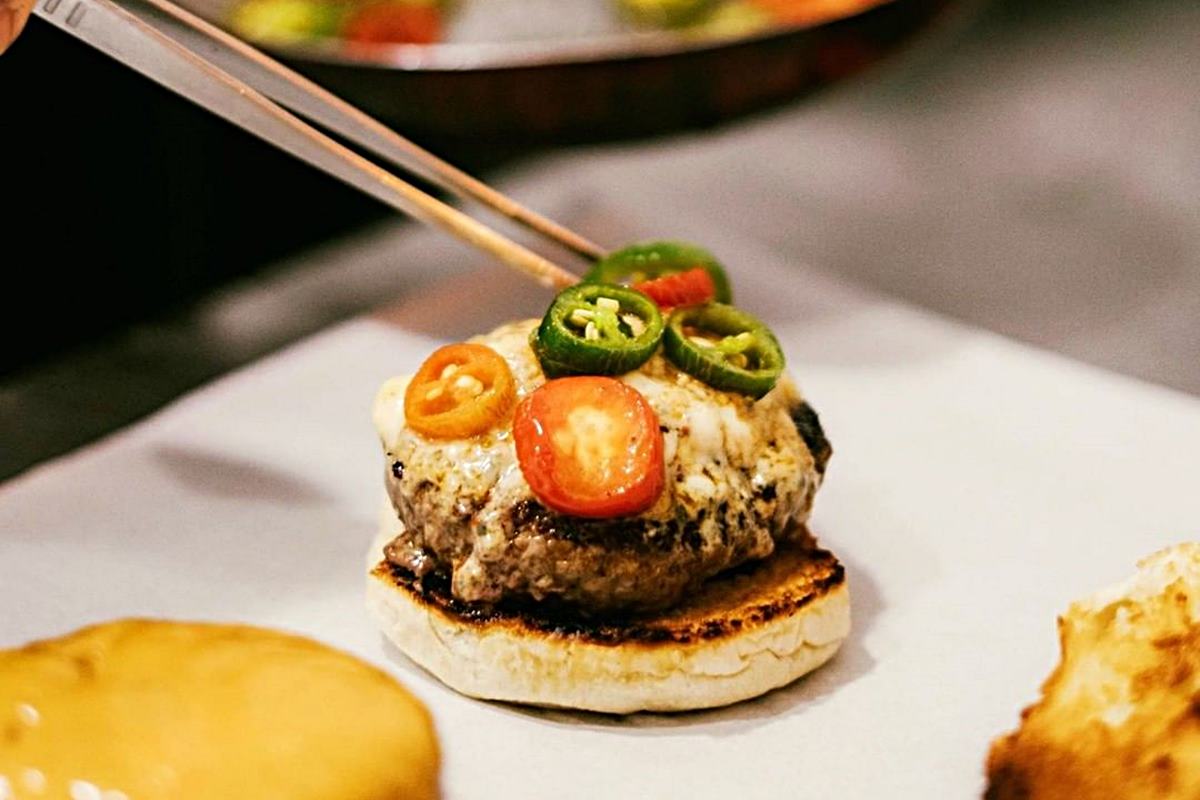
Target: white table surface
(977, 486)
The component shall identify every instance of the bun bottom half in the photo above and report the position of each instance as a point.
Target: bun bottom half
(744, 633)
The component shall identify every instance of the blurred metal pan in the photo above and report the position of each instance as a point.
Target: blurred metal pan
(520, 72)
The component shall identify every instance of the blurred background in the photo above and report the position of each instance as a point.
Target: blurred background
(1029, 166)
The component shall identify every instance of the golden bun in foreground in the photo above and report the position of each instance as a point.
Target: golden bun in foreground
(757, 628)
(1120, 716)
(149, 710)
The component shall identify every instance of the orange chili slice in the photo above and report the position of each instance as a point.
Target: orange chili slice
(461, 390)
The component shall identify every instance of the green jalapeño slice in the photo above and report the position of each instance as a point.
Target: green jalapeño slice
(649, 260)
(667, 13)
(725, 347)
(597, 329)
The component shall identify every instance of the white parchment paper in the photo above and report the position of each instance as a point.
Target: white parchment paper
(976, 487)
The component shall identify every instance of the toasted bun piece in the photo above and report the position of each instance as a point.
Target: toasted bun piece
(740, 636)
(157, 710)
(1120, 716)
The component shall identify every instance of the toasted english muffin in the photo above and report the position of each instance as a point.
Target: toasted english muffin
(744, 633)
(1120, 716)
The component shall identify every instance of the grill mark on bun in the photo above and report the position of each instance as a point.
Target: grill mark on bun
(753, 594)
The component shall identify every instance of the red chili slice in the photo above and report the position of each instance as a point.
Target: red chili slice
(689, 288)
(393, 23)
(590, 447)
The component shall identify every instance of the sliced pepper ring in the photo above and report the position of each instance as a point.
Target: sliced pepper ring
(461, 390)
(691, 288)
(725, 347)
(649, 260)
(597, 329)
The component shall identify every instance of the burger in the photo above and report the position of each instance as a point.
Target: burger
(607, 509)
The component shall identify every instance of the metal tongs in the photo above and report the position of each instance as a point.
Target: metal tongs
(249, 88)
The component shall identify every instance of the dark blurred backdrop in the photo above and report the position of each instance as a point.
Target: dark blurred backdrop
(136, 202)
(125, 201)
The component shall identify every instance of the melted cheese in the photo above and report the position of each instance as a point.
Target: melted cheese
(736, 470)
(387, 412)
(711, 437)
(140, 710)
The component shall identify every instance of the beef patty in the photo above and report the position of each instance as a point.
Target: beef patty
(741, 475)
